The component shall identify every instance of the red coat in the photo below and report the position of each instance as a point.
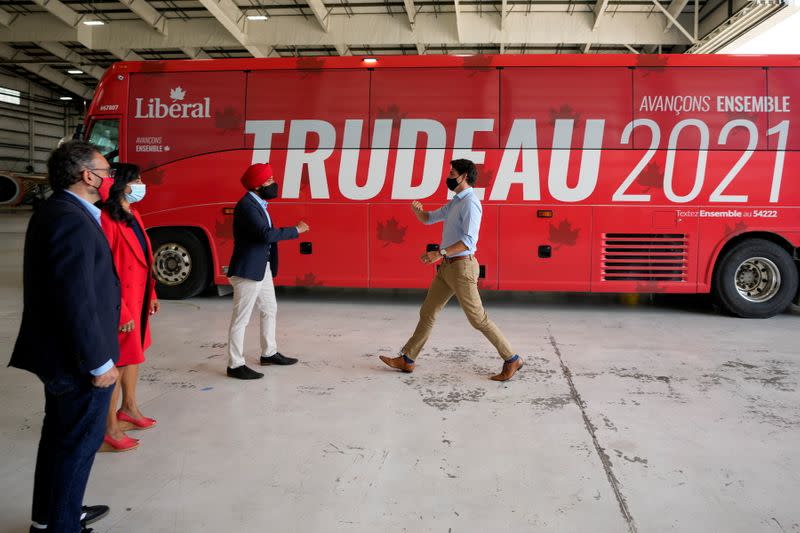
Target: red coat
(137, 285)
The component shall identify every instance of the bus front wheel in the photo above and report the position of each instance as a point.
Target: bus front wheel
(755, 279)
(180, 264)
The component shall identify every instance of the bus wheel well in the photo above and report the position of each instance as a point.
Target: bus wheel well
(756, 255)
(765, 235)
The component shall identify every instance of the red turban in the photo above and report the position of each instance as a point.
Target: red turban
(255, 176)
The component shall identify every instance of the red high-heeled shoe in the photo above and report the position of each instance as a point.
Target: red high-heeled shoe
(118, 445)
(136, 423)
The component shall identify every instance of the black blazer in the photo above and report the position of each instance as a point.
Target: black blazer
(255, 241)
(70, 293)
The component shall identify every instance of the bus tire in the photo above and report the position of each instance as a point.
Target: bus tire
(180, 264)
(755, 279)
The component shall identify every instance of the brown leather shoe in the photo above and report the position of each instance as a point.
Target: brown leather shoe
(509, 369)
(399, 363)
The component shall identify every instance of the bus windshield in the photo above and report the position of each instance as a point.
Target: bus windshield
(105, 135)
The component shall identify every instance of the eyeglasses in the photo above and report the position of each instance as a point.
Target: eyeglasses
(110, 171)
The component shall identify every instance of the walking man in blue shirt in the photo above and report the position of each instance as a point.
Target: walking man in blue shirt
(458, 274)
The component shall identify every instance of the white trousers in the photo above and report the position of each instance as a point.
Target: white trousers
(246, 295)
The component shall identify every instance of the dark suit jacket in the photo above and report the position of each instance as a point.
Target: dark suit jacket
(255, 241)
(71, 294)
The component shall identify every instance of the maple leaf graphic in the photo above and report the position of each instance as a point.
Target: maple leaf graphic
(564, 234)
(392, 112)
(739, 227)
(485, 176)
(308, 280)
(652, 177)
(177, 93)
(153, 177)
(224, 228)
(391, 232)
(565, 111)
(229, 119)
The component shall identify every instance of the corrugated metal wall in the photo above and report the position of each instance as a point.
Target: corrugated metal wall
(30, 130)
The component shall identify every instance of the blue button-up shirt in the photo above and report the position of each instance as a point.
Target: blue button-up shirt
(95, 212)
(264, 205)
(462, 221)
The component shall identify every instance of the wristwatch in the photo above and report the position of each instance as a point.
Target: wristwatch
(443, 251)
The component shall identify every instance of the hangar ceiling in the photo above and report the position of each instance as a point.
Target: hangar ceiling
(44, 39)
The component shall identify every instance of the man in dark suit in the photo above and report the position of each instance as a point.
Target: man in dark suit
(252, 267)
(68, 336)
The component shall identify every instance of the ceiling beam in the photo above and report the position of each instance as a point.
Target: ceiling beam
(233, 19)
(371, 30)
(61, 51)
(28, 63)
(672, 19)
(599, 10)
(147, 13)
(411, 11)
(68, 15)
(343, 50)
(124, 54)
(586, 48)
(195, 53)
(320, 12)
(7, 18)
(675, 8)
(458, 20)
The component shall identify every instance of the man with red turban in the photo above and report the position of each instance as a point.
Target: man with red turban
(251, 269)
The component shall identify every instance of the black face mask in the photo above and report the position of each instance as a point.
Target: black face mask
(269, 192)
(452, 183)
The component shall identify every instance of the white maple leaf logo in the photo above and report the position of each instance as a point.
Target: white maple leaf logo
(177, 93)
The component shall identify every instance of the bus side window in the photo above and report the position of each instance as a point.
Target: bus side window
(105, 135)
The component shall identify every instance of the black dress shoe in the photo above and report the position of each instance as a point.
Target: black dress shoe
(244, 372)
(277, 359)
(92, 513)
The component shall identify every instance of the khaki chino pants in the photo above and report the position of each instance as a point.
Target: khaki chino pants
(459, 278)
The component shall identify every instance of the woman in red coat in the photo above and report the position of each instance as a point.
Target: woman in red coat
(133, 258)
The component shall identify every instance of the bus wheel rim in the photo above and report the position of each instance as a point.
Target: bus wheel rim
(173, 264)
(757, 279)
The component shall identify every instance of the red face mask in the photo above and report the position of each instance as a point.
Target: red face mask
(104, 190)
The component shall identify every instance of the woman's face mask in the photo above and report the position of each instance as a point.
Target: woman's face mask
(138, 190)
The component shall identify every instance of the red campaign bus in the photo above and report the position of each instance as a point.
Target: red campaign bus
(602, 173)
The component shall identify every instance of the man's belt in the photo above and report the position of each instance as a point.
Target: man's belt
(457, 258)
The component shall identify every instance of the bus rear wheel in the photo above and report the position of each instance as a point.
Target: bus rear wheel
(180, 264)
(755, 279)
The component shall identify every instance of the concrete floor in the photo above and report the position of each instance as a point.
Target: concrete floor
(658, 417)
